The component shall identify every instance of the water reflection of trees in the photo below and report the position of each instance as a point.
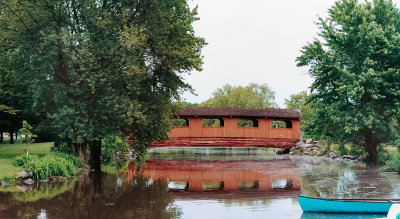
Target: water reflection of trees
(91, 197)
(343, 180)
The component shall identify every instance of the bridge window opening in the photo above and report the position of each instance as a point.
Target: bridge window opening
(180, 122)
(281, 124)
(282, 184)
(213, 122)
(247, 123)
(173, 185)
(248, 185)
(210, 186)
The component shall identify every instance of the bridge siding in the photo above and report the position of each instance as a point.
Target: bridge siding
(230, 129)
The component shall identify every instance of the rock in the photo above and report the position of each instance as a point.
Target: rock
(333, 154)
(4, 184)
(44, 180)
(350, 157)
(29, 181)
(25, 174)
(309, 141)
(291, 153)
(57, 178)
(300, 145)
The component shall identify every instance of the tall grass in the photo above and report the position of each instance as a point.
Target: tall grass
(54, 164)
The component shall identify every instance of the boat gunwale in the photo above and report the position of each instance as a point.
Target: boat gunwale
(356, 200)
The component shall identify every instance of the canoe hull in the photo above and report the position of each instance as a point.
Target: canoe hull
(344, 206)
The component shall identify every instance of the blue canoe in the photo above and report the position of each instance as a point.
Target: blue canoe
(325, 205)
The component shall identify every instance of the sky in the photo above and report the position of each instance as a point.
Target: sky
(254, 41)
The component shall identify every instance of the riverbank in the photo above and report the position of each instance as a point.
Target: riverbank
(322, 149)
(9, 151)
(388, 155)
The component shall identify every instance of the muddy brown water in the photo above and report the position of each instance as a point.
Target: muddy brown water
(203, 183)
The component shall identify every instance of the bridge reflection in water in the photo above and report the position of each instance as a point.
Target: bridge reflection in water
(257, 177)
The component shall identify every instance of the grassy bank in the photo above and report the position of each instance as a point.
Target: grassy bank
(9, 151)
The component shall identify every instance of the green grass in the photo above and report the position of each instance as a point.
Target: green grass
(9, 151)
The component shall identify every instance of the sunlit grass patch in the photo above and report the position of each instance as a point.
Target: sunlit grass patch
(9, 151)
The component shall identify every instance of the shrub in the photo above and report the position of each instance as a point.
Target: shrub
(393, 165)
(383, 155)
(71, 158)
(23, 160)
(113, 147)
(54, 164)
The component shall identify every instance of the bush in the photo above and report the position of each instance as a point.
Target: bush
(393, 165)
(54, 164)
(113, 147)
(383, 155)
(71, 158)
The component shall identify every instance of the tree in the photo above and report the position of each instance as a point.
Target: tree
(252, 95)
(300, 101)
(356, 68)
(100, 67)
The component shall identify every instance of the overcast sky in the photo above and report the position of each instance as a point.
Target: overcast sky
(254, 41)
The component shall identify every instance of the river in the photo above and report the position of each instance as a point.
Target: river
(203, 183)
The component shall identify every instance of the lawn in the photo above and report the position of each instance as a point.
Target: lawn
(9, 151)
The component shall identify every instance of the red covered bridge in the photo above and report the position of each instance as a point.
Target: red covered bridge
(264, 127)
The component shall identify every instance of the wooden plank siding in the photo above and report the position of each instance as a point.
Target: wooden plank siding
(230, 129)
(230, 134)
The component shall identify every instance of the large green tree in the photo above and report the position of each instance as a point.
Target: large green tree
(301, 102)
(252, 95)
(356, 66)
(99, 67)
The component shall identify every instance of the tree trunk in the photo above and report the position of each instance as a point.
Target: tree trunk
(95, 153)
(1, 137)
(371, 146)
(11, 136)
(82, 152)
(16, 136)
(95, 177)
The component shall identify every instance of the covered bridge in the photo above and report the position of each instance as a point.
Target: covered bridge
(235, 127)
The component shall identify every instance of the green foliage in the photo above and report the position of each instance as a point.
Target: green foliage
(24, 160)
(278, 124)
(179, 122)
(76, 161)
(245, 123)
(113, 148)
(301, 102)
(90, 68)
(355, 65)
(393, 165)
(9, 151)
(211, 122)
(49, 165)
(342, 150)
(383, 155)
(326, 146)
(252, 95)
(26, 130)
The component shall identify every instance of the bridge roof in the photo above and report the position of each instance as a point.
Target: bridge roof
(240, 112)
